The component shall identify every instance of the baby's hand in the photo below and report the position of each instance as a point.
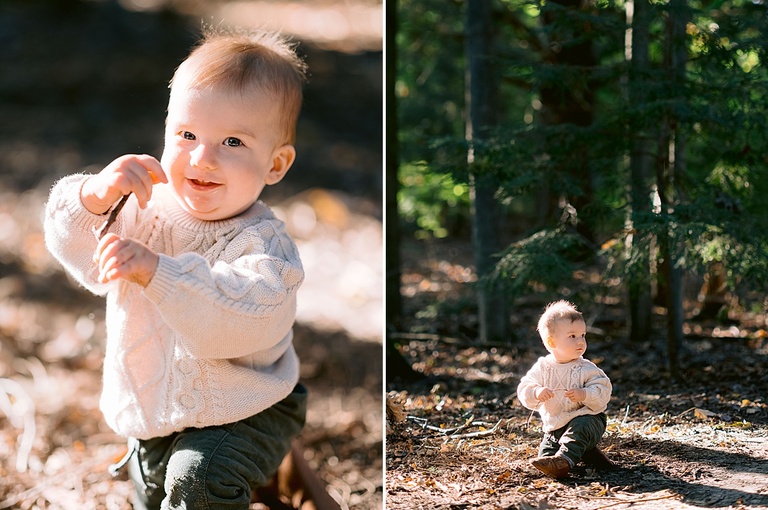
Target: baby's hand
(132, 173)
(125, 258)
(576, 394)
(543, 394)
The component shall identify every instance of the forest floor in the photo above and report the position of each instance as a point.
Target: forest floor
(89, 83)
(463, 440)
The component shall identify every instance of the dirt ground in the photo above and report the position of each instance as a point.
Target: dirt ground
(82, 82)
(459, 438)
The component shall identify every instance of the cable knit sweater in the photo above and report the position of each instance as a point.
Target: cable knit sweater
(209, 340)
(561, 377)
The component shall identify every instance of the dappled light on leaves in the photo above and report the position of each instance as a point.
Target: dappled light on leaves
(465, 440)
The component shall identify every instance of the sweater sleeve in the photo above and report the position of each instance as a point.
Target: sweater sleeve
(69, 232)
(529, 384)
(598, 388)
(242, 303)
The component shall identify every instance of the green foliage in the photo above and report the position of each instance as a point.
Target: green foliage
(717, 100)
(541, 262)
(431, 200)
(430, 76)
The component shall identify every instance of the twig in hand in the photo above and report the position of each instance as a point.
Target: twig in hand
(530, 417)
(112, 217)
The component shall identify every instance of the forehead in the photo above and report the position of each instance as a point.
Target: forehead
(564, 326)
(185, 88)
(216, 107)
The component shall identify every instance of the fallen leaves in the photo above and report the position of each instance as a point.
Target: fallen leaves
(660, 436)
(703, 414)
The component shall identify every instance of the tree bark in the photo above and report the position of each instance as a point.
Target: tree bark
(393, 298)
(640, 165)
(397, 368)
(481, 91)
(671, 166)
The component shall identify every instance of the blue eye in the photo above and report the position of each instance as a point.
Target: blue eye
(187, 135)
(233, 142)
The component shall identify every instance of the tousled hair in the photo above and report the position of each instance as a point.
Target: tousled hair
(554, 312)
(248, 63)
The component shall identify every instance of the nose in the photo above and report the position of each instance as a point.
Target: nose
(203, 157)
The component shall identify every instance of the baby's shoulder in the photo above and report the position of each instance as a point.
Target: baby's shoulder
(542, 363)
(590, 369)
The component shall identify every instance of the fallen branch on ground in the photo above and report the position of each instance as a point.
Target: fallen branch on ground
(635, 501)
(479, 433)
(452, 432)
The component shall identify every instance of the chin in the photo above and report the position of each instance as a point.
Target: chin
(200, 215)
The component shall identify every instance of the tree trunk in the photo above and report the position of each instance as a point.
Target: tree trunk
(638, 12)
(714, 292)
(672, 165)
(480, 91)
(397, 367)
(393, 298)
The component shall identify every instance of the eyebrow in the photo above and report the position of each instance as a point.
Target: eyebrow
(242, 133)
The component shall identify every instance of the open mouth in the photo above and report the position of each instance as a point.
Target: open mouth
(201, 184)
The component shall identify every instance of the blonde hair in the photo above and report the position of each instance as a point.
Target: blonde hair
(554, 312)
(248, 63)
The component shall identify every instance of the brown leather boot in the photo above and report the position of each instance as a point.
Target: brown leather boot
(597, 459)
(556, 467)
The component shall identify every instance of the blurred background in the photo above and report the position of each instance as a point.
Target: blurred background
(84, 81)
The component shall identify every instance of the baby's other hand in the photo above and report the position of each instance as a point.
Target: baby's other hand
(576, 394)
(132, 173)
(543, 394)
(125, 258)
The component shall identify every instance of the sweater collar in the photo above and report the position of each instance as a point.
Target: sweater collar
(552, 361)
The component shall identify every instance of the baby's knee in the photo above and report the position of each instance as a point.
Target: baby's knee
(197, 482)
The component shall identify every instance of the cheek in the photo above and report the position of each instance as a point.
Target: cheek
(173, 160)
(169, 155)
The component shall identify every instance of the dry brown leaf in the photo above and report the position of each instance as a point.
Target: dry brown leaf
(703, 414)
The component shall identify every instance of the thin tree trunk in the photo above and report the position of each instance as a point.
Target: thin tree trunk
(392, 185)
(397, 366)
(640, 162)
(673, 165)
(481, 87)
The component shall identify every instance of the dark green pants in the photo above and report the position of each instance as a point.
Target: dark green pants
(216, 467)
(572, 441)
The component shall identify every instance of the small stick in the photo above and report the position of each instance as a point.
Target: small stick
(633, 501)
(112, 217)
(626, 414)
(479, 433)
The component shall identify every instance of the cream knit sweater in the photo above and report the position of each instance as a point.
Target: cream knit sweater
(561, 377)
(209, 340)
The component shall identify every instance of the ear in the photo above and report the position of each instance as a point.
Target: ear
(282, 159)
(551, 342)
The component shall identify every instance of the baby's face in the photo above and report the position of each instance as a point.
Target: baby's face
(220, 151)
(568, 340)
